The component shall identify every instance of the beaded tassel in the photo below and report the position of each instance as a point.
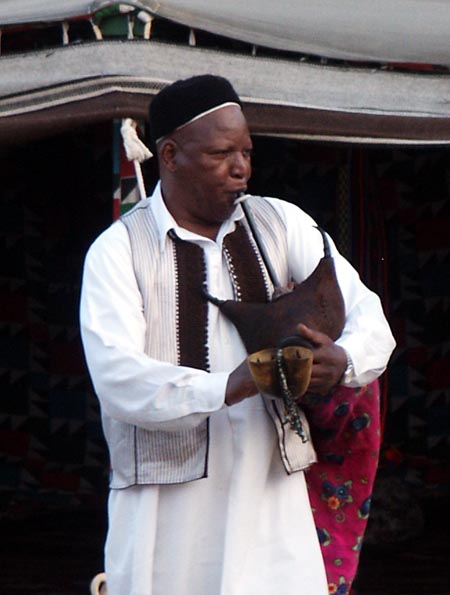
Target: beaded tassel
(292, 411)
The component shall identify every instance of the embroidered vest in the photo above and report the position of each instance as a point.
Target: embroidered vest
(169, 279)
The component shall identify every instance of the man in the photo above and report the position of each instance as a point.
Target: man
(177, 398)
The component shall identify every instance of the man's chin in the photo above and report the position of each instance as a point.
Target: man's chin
(224, 213)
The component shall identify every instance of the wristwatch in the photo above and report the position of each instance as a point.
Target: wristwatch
(349, 371)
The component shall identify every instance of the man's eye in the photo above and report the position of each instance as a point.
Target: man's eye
(224, 153)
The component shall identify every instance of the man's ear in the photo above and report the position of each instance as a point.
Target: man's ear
(168, 154)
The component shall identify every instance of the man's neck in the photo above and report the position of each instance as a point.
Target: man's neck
(202, 229)
(189, 222)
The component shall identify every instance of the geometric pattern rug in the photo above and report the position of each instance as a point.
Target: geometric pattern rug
(55, 200)
(388, 209)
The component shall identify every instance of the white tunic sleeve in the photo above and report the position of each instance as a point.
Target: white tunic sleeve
(131, 386)
(366, 335)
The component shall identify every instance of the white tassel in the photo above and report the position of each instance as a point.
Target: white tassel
(124, 8)
(136, 151)
(97, 31)
(147, 19)
(134, 147)
(130, 27)
(65, 33)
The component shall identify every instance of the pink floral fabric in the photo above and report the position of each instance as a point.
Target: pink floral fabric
(345, 426)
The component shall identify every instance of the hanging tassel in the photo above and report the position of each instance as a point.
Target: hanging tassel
(97, 31)
(147, 19)
(135, 150)
(125, 8)
(65, 33)
(192, 39)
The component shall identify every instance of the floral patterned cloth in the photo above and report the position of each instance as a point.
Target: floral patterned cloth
(345, 426)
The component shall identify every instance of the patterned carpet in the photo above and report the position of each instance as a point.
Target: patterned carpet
(56, 197)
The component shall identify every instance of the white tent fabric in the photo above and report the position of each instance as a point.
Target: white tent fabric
(258, 80)
(346, 104)
(382, 30)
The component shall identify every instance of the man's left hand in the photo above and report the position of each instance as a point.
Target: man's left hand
(329, 363)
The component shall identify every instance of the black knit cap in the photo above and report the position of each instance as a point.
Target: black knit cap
(182, 101)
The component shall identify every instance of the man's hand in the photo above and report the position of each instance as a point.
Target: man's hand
(329, 362)
(240, 385)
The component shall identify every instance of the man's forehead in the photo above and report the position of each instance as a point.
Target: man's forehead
(228, 122)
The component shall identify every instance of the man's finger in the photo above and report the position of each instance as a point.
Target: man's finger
(310, 334)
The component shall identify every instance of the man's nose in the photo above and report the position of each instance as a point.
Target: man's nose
(240, 165)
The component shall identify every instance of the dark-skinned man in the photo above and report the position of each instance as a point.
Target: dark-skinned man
(204, 500)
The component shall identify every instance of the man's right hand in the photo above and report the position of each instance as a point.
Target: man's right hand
(240, 385)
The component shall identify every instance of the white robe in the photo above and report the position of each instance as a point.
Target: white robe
(246, 529)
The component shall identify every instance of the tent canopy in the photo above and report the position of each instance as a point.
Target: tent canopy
(385, 30)
(42, 92)
(82, 83)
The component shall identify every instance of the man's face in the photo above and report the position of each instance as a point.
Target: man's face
(212, 165)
